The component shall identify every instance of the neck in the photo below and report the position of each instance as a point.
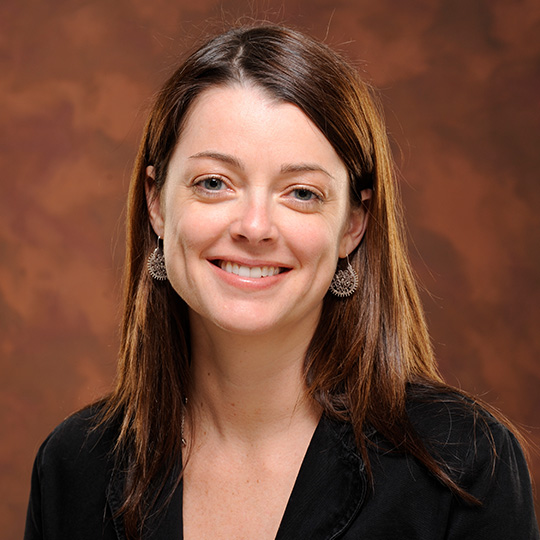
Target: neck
(248, 388)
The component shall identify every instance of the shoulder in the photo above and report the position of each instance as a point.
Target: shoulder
(464, 437)
(449, 416)
(80, 445)
(478, 449)
(472, 448)
(449, 413)
(71, 475)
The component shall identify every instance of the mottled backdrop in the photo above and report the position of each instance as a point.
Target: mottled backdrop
(460, 81)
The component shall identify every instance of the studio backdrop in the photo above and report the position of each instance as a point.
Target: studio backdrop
(460, 84)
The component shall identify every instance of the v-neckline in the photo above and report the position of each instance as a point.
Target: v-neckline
(328, 492)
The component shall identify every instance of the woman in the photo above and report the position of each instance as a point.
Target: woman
(276, 378)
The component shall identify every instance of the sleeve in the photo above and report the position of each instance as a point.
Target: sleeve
(500, 480)
(33, 529)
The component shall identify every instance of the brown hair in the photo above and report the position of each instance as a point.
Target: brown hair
(368, 348)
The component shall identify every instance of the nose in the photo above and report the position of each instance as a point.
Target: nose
(254, 220)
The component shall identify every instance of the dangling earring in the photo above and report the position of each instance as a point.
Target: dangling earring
(345, 282)
(156, 263)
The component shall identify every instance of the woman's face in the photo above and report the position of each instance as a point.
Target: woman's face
(254, 213)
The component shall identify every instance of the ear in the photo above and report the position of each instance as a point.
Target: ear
(356, 227)
(153, 202)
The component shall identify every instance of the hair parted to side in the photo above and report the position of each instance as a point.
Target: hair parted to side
(367, 349)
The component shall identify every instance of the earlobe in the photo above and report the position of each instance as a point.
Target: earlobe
(358, 221)
(153, 202)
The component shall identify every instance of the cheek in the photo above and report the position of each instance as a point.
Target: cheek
(315, 243)
(189, 229)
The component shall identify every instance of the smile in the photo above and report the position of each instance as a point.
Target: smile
(249, 271)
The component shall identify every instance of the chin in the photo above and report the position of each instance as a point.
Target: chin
(240, 323)
(255, 327)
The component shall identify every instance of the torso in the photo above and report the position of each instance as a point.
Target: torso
(77, 490)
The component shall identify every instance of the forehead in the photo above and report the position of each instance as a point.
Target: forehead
(245, 121)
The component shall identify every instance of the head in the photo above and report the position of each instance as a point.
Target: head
(291, 68)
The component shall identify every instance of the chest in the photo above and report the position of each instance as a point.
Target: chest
(235, 500)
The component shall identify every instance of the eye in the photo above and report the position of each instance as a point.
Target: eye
(211, 188)
(212, 184)
(304, 194)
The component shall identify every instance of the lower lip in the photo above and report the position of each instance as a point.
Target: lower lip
(251, 284)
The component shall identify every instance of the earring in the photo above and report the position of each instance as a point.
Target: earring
(345, 282)
(156, 263)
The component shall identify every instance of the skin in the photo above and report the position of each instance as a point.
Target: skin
(251, 182)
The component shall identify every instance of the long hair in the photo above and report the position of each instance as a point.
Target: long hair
(367, 350)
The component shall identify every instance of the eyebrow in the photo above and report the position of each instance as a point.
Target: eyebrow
(218, 156)
(304, 167)
(235, 162)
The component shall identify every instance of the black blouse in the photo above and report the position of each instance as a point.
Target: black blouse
(76, 489)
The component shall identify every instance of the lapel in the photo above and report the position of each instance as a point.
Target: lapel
(328, 493)
(330, 488)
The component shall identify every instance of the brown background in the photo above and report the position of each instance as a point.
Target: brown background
(460, 81)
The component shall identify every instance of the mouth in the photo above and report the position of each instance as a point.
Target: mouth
(254, 272)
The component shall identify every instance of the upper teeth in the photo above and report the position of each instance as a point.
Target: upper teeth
(249, 271)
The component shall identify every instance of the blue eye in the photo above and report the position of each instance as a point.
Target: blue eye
(212, 184)
(303, 194)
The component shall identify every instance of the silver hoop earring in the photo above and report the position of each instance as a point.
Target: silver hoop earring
(345, 282)
(156, 263)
